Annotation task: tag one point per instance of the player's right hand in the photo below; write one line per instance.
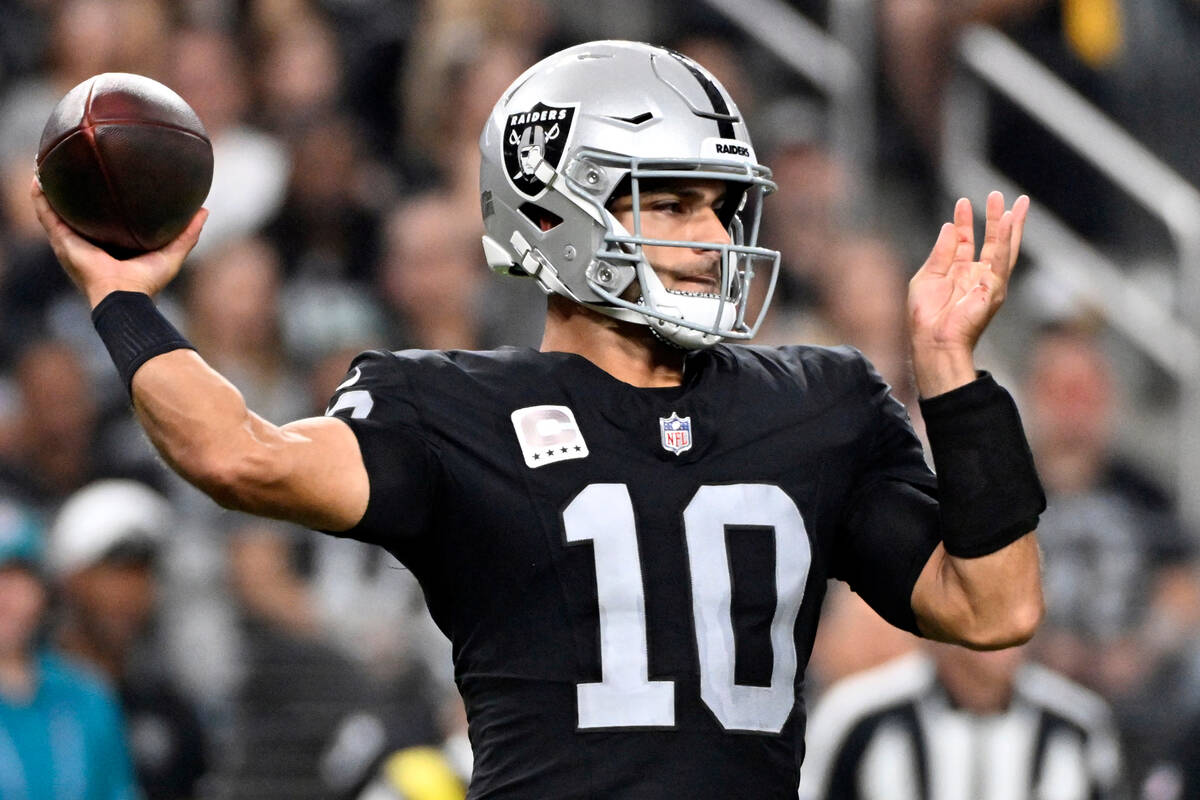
(97, 273)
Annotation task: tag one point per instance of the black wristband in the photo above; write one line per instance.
(134, 331)
(989, 490)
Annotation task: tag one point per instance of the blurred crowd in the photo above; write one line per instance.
(252, 660)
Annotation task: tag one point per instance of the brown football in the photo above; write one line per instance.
(125, 162)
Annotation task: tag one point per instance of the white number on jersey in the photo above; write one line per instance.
(359, 401)
(626, 697)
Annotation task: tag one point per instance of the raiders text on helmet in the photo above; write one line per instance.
(595, 121)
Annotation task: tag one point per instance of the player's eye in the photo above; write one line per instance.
(667, 206)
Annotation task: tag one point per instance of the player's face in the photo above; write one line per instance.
(687, 210)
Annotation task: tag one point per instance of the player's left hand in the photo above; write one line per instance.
(954, 296)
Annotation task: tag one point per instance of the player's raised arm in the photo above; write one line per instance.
(309, 472)
(982, 585)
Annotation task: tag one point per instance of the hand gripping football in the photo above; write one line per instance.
(125, 162)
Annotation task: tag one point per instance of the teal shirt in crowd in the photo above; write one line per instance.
(67, 742)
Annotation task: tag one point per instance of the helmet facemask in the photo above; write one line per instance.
(625, 279)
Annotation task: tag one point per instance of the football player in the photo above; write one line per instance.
(626, 534)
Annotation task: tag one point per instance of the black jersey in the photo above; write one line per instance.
(631, 578)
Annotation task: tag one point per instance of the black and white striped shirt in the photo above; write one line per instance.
(891, 733)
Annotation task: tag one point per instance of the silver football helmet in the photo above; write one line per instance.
(591, 123)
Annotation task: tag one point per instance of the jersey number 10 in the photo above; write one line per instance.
(626, 697)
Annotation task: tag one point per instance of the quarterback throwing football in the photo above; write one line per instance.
(626, 534)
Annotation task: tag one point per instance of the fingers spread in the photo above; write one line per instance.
(996, 242)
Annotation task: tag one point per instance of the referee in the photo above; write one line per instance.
(947, 723)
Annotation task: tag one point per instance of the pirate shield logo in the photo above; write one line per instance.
(531, 137)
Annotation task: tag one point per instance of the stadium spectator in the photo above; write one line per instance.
(947, 722)
(79, 38)
(231, 304)
(328, 227)
(61, 439)
(298, 70)
(337, 591)
(327, 685)
(102, 552)
(233, 313)
(85, 37)
(807, 215)
(23, 34)
(434, 290)
(1122, 600)
(355, 617)
(856, 296)
(290, 709)
(61, 733)
(1124, 57)
(346, 611)
(1134, 60)
(448, 95)
(421, 772)
(250, 165)
(850, 639)
(1159, 84)
(27, 286)
(429, 276)
(862, 289)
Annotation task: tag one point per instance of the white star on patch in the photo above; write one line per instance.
(548, 434)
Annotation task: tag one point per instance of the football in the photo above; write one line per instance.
(125, 161)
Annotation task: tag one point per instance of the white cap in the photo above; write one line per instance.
(101, 517)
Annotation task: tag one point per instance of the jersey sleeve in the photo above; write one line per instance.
(889, 527)
(376, 401)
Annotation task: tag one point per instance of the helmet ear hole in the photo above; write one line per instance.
(543, 218)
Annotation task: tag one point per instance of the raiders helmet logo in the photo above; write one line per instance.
(531, 137)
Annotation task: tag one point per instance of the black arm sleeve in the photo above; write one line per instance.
(990, 492)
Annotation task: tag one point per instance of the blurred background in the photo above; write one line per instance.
(252, 660)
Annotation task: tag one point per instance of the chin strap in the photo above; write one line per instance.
(698, 309)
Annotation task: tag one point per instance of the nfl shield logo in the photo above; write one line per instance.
(676, 433)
